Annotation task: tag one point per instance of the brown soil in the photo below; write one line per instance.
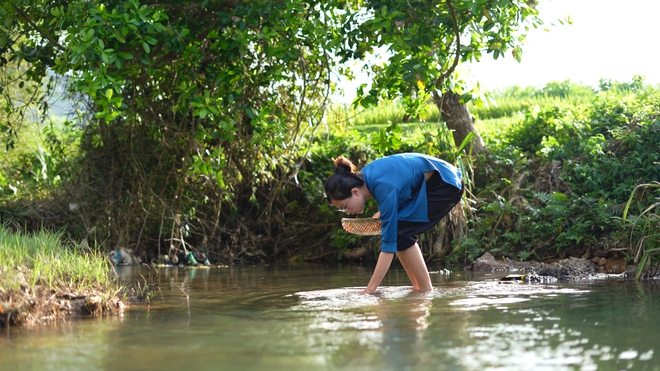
(30, 307)
(612, 266)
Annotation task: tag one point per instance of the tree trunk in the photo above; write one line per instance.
(459, 121)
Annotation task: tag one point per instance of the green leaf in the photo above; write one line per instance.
(632, 195)
(108, 94)
(111, 116)
(560, 197)
(118, 35)
(466, 141)
(642, 262)
(219, 178)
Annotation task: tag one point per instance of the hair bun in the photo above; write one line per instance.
(344, 165)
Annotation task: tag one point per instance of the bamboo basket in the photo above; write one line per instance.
(362, 226)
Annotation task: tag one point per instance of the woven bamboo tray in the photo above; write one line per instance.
(362, 226)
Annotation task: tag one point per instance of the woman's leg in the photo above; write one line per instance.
(406, 266)
(442, 197)
(413, 263)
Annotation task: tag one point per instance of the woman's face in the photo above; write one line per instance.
(351, 205)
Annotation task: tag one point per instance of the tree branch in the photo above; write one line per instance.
(193, 6)
(457, 33)
(34, 25)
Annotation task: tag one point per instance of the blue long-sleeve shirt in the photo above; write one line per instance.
(397, 183)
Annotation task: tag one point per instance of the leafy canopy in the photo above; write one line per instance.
(425, 41)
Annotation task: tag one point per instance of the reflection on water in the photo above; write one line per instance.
(480, 295)
(312, 317)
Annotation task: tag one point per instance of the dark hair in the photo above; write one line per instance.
(345, 178)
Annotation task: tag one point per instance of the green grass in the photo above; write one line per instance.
(385, 113)
(497, 127)
(501, 107)
(41, 158)
(506, 106)
(41, 259)
(372, 120)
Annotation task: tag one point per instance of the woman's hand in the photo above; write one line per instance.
(382, 265)
(376, 215)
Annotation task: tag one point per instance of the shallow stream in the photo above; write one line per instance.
(310, 317)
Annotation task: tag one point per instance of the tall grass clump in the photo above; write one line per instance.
(646, 249)
(42, 260)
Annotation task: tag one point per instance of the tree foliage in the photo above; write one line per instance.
(199, 113)
(426, 40)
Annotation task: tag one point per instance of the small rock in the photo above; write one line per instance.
(602, 261)
(595, 260)
(567, 269)
(488, 263)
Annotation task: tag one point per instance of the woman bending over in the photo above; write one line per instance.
(413, 191)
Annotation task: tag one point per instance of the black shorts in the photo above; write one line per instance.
(441, 198)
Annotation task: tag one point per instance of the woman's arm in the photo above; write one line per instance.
(382, 265)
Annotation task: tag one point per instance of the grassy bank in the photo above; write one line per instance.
(564, 161)
(43, 279)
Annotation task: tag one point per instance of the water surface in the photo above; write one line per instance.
(310, 317)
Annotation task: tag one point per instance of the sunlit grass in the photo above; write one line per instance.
(491, 129)
(374, 119)
(40, 158)
(385, 113)
(41, 259)
(506, 108)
